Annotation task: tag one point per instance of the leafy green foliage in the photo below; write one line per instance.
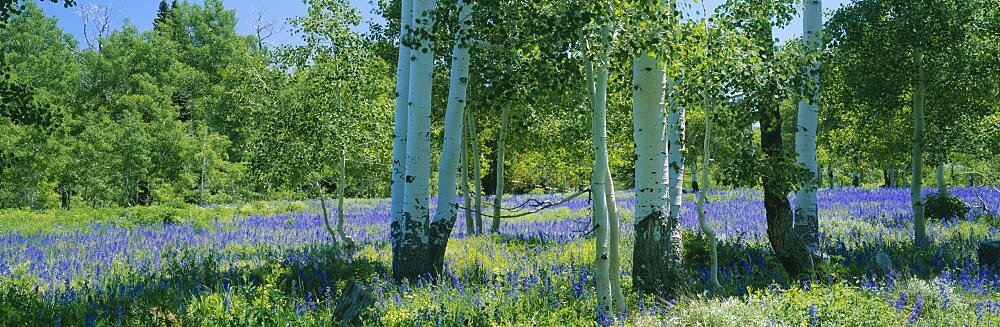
(870, 90)
(189, 112)
(945, 206)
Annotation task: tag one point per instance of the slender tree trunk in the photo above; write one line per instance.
(498, 199)
(951, 169)
(341, 181)
(470, 225)
(326, 215)
(341, 186)
(447, 205)
(477, 178)
(651, 256)
(614, 236)
(829, 176)
(614, 243)
(702, 221)
(793, 254)
(399, 140)
(415, 261)
(676, 151)
(201, 180)
(941, 184)
(919, 223)
(694, 176)
(65, 196)
(806, 211)
(597, 87)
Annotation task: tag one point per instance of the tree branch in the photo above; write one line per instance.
(537, 205)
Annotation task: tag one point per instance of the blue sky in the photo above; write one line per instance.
(142, 12)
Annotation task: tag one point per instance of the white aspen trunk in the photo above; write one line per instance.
(599, 210)
(341, 185)
(341, 180)
(651, 256)
(397, 209)
(418, 146)
(326, 216)
(501, 149)
(702, 221)
(939, 172)
(648, 130)
(447, 205)
(674, 165)
(675, 161)
(476, 181)
(952, 173)
(614, 236)
(204, 168)
(470, 225)
(806, 213)
(919, 222)
(614, 244)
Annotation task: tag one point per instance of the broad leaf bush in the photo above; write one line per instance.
(944, 206)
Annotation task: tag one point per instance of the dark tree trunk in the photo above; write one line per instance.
(829, 175)
(440, 232)
(354, 301)
(652, 254)
(65, 195)
(144, 197)
(64, 199)
(490, 180)
(788, 247)
(413, 263)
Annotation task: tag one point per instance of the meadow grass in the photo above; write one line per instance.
(280, 268)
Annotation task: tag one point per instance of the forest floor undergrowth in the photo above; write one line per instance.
(278, 266)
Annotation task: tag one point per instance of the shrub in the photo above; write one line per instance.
(989, 219)
(944, 206)
(695, 247)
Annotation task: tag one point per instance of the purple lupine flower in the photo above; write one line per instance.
(946, 301)
(917, 308)
(579, 286)
(901, 302)
(457, 283)
(814, 315)
(603, 319)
